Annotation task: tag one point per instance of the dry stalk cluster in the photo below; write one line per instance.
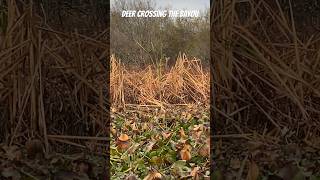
(51, 82)
(266, 70)
(184, 83)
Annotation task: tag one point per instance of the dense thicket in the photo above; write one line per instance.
(53, 69)
(149, 40)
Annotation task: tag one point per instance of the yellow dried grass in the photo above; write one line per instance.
(184, 83)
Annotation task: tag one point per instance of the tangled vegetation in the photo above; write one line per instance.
(265, 89)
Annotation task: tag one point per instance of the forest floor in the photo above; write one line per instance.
(29, 163)
(150, 142)
(251, 157)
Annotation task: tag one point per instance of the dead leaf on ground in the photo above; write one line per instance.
(187, 147)
(153, 176)
(195, 173)
(197, 131)
(185, 153)
(166, 135)
(123, 142)
(150, 146)
(123, 138)
(134, 127)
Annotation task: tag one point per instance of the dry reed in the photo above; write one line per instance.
(184, 83)
(266, 71)
(51, 82)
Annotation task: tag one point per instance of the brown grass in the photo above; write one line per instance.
(184, 83)
(266, 70)
(51, 82)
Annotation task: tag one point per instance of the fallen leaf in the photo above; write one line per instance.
(180, 144)
(185, 154)
(123, 142)
(166, 135)
(134, 127)
(153, 176)
(150, 146)
(197, 134)
(195, 173)
(187, 147)
(123, 137)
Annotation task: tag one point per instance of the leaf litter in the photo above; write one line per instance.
(164, 144)
(29, 162)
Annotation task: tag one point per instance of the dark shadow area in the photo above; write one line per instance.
(54, 89)
(265, 97)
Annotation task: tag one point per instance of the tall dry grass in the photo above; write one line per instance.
(184, 83)
(53, 84)
(266, 71)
